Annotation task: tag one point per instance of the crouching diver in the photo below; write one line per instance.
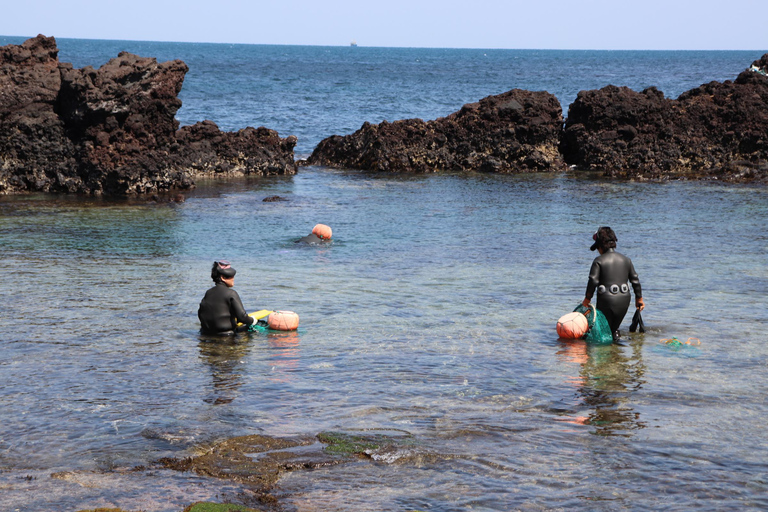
(320, 233)
(221, 308)
(609, 275)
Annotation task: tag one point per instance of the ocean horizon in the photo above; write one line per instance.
(15, 39)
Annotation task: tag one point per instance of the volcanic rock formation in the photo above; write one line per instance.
(716, 131)
(113, 130)
(512, 132)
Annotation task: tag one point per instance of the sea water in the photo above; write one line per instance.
(431, 313)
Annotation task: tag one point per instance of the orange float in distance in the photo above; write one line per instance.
(322, 231)
(572, 326)
(283, 321)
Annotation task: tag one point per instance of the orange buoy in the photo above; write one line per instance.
(572, 326)
(322, 231)
(283, 321)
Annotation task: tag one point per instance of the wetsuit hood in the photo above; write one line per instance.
(227, 272)
(224, 269)
(602, 236)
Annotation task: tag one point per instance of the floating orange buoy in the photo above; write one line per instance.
(322, 231)
(572, 326)
(283, 321)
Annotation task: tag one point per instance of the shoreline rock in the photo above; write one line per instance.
(715, 131)
(516, 131)
(112, 130)
(718, 131)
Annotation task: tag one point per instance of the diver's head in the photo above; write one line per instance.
(604, 239)
(222, 269)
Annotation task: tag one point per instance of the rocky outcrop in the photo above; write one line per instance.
(35, 153)
(206, 150)
(113, 130)
(716, 131)
(512, 132)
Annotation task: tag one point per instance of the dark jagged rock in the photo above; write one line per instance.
(113, 130)
(121, 118)
(512, 132)
(718, 130)
(35, 153)
(207, 150)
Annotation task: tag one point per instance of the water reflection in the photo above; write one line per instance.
(225, 357)
(285, 358)
(607, 377)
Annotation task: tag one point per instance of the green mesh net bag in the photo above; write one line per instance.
(599, 332)
(259, 326)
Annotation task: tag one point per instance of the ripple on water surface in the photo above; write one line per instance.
(432, 313)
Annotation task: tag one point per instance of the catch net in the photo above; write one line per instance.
(599, 331)
(259, 326)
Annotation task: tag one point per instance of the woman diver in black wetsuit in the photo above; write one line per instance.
(221, 309)
(609, 275)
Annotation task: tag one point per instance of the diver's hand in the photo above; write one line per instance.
(585, 302)
(640, 303)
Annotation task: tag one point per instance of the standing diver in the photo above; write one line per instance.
(221, 309)
(609, 275)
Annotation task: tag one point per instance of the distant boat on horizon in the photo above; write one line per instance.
(353, 43)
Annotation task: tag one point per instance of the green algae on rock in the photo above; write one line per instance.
(217, 507)
(343, 443)
(346, 444)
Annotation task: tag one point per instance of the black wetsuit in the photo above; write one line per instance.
(609, 275)
(312, 239)
(221, 309)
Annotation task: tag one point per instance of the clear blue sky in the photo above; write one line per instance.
(545, 24)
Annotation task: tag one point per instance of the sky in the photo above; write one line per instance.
(513, 24)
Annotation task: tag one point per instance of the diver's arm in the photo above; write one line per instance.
(635, 282)
(592, 282)
(238, 310)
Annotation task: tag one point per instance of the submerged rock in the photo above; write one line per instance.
(516, 131)
(104, 510)
(257, 461)
(718, 130)
(217, 507)
(112, 130)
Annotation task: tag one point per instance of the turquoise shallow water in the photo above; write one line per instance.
(431, 313)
